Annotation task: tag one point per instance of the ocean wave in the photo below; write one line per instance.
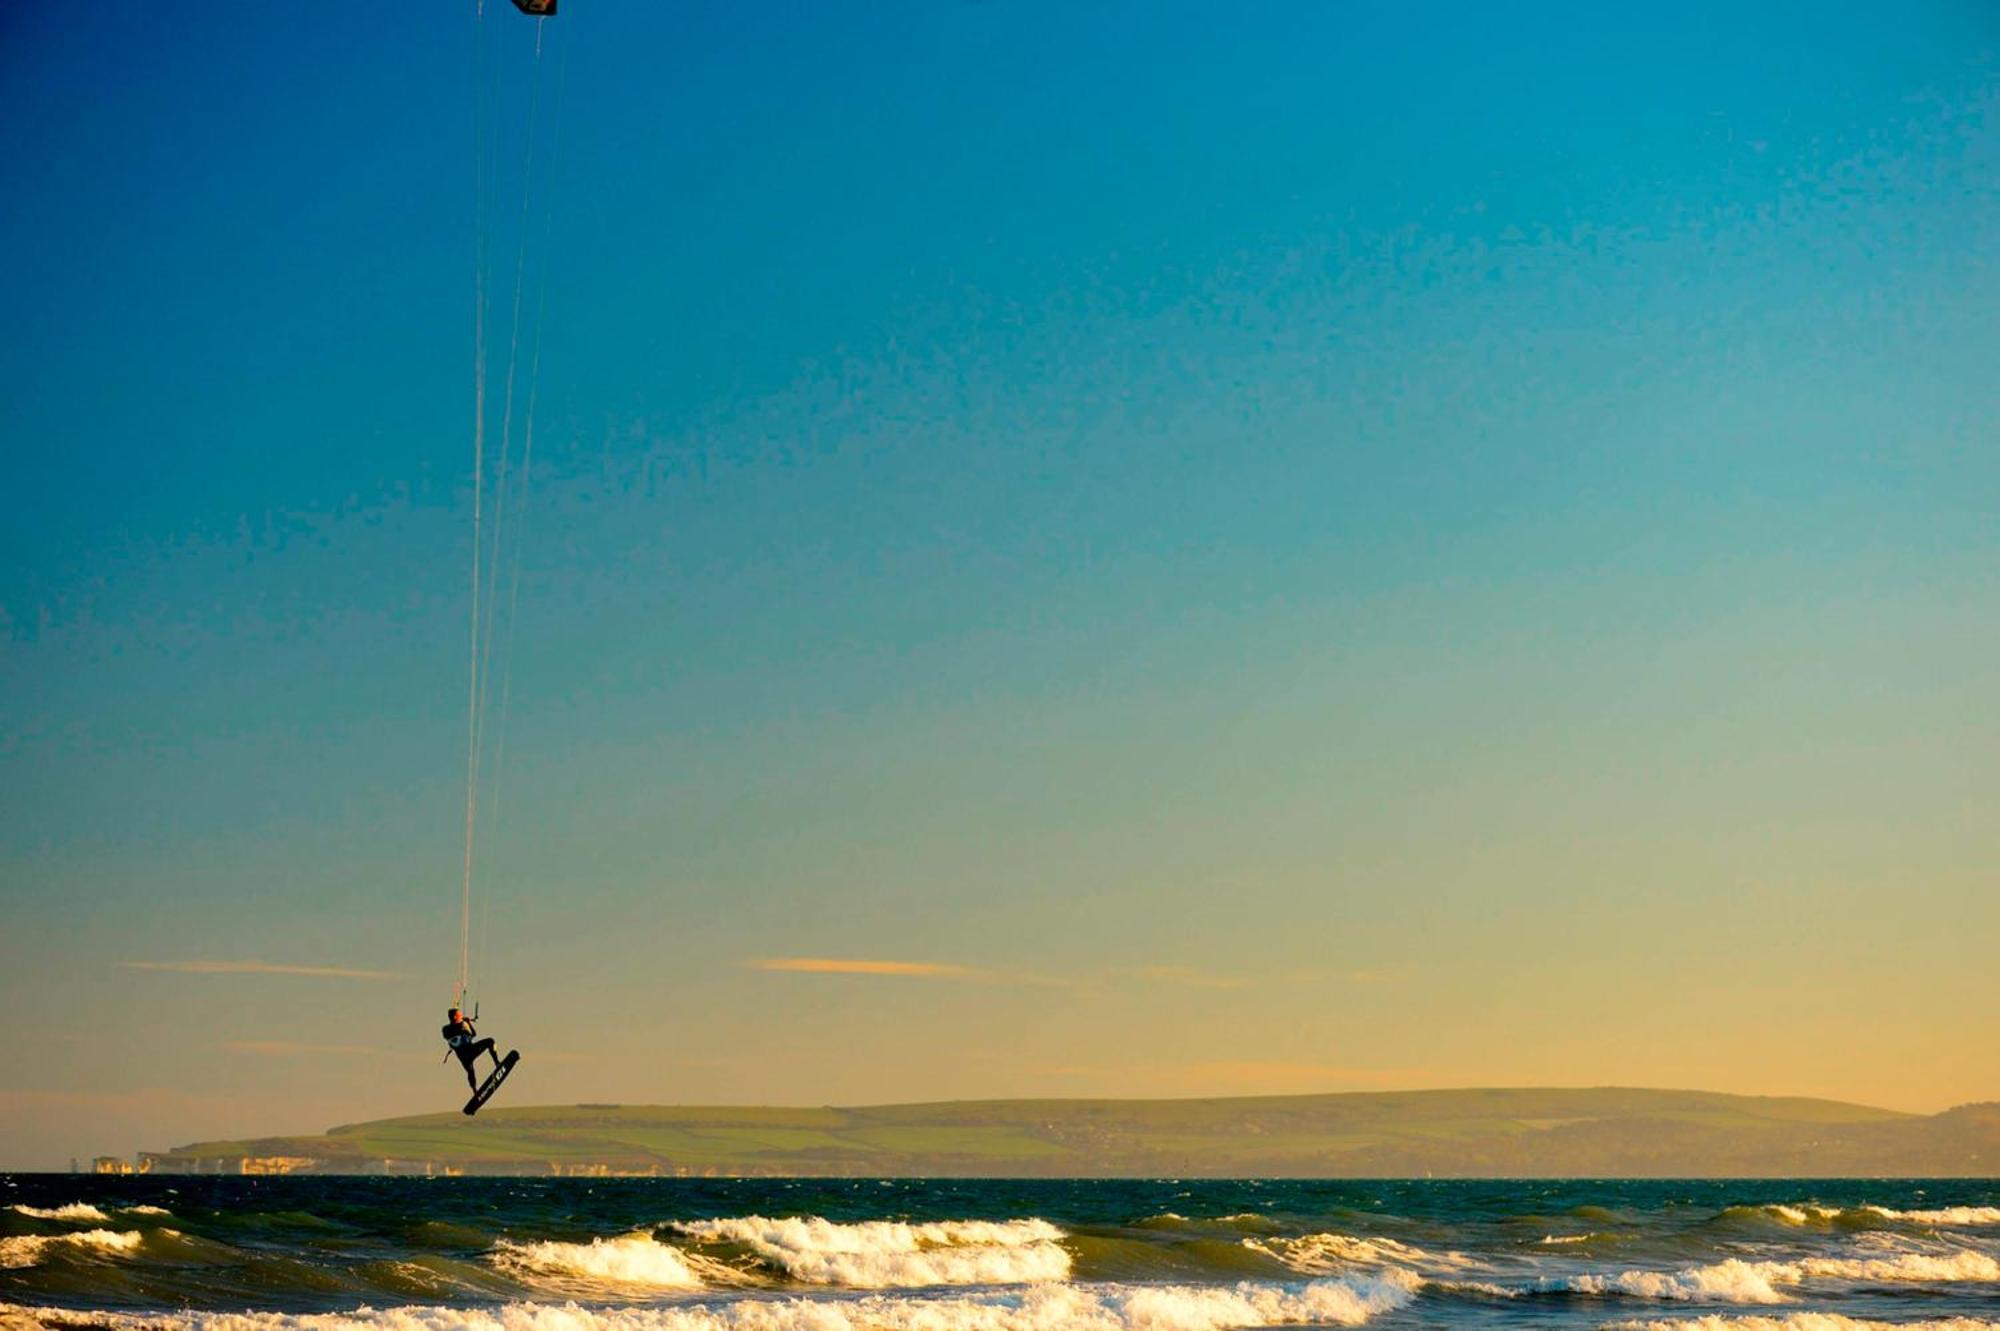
(1738, 1281)
(1350, 1301)
(1236, 1222)
(82, 1212)
(1802, 1321)
(632, 1259)
(1321, 1254)
(1944, 1215)
(67, 1211)
(1962, 1264)
(1785, 1213)
(33, 1249)
(1326, 1254)
(889, 1254)
(1733, 1281)
(1818, 1213)
(1482, 1287)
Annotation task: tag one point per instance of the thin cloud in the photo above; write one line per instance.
(927, 970)
(257, 968)
(1186, 976)
(291, 1049)
(1375, 975)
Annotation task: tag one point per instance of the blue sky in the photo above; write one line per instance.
(1166, 517)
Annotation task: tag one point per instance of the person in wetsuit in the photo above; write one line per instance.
(465, 1042)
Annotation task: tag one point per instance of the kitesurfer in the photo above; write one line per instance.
(465, 1042)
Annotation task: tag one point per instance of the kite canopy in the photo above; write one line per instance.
(539, 8)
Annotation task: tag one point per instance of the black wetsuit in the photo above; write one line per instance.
(461, 1037)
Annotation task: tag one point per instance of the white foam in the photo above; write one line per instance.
(1945, 1215)
(30, 1250)
(1551, 1240)
(1737, 1281)
(1733, 1281)
(1962, 1264)
(1351, 1301)
(887, 1254)
(68, 1211)
(1326, 1254)
(1485, 1287)
(145, 1210)
(1799, 1213)
(1801, 1322)
(633, 1259)
(1807, 1213)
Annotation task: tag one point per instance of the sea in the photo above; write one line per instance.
(470, 1254)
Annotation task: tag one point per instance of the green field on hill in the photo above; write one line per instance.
(1468, 1133)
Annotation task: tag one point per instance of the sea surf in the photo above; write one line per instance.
(188, 1253)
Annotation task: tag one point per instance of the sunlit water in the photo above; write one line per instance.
(326, 1254)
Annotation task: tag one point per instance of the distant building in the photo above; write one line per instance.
(110, 1164)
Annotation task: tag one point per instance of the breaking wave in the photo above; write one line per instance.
(1962, 1265)
(1817, 1213)
(1786, 1213)
(633, 1259)
(69, 1211)
(33, 1249)
(1738, 1281)
(1323, 1254)
(1733, 1281)
(1946, 1215)
(888, 1254)
(1485, 1288)
(1803, 1322)
(1327, 1254)
(1237, 1222)
(1350, 1301)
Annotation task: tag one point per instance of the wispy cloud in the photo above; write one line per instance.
(928, 970)
(1186, 976)
(291, 1049)
(1374, 975)
(257, 968)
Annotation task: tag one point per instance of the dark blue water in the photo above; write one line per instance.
(325, 1254)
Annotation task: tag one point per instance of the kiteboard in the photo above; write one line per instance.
(492, 1082)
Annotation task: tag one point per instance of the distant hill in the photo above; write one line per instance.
(1600, 1132)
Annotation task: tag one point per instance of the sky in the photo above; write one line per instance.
(1102, 549)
